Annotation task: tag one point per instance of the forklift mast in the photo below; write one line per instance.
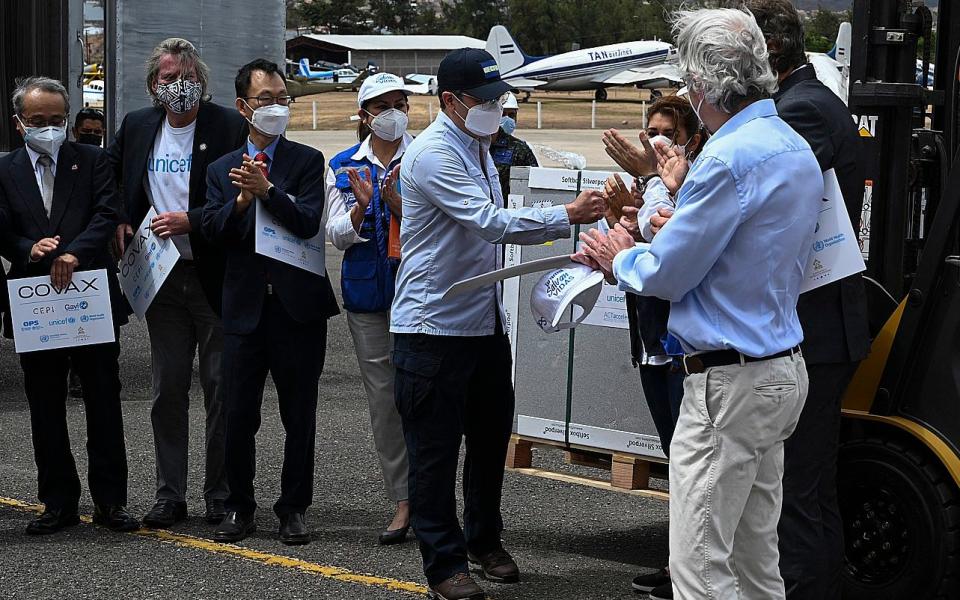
(909, 237)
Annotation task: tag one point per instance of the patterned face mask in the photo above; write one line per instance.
(180, 96)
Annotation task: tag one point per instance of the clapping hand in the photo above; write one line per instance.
(389, 192)
(637, 161)
(673, 166)
(618, 196)
(362, 188)
(599, 250)
(251, 181)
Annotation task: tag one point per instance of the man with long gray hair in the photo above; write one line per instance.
(731, 261)
(160, 157)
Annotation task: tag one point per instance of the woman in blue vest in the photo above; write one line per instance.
(362, 200)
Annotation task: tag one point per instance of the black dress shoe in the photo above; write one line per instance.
(234, 527)
(394, 536)
(165, 513)
(293, 530)
(215, 512)
(53, 520)
(114, 517)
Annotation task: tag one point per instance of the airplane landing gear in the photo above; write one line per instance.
(600, 95)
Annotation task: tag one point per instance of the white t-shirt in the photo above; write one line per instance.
(168, 175)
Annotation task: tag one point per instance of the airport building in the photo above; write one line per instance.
(397, 54)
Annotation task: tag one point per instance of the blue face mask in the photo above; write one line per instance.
(508, 125)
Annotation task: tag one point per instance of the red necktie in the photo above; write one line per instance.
(263, 158)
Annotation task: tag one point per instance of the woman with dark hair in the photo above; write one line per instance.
(363, 201)
(671, 122)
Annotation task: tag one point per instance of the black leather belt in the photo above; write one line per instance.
(698, 363)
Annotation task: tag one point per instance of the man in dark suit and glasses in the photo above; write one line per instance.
(274, 314)
(160, 158)
(58, 212)
(834, 320)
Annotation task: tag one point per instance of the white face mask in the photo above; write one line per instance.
(44, 140)
(271, 120)
(483, 119)
(389, 125)
(667, 143)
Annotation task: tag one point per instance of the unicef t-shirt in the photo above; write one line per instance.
(168, 175)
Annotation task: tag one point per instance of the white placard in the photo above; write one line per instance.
(273, 240)
(610, 309)
(595, 180)
(543, 178)
(511, 288)
(145, 265)
(836, 249)
(45, 318)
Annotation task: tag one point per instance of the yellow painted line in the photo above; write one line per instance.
(189, 541)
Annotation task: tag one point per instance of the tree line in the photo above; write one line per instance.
(540, 27)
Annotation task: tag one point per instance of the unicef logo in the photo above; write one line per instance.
(71, 320)
(84, 318)
(44, 339)
(817, 246)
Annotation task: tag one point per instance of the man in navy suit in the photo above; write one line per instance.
(58, 212)
(274, 314)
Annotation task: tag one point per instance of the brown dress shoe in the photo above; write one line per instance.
(459, 587)
(498, 566)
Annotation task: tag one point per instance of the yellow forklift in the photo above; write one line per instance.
(899, 463)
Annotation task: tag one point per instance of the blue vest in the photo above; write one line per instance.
(368, 276)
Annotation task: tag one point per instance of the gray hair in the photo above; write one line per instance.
(28, 84)
(186, 54)
(724, 54)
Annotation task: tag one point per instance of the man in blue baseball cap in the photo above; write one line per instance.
(452, 357)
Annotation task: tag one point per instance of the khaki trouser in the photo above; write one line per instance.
(371, 337)
(726, 470)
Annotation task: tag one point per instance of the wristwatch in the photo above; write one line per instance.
(643, 180)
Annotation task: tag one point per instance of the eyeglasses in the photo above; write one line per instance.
(489, 103)
(266, 100)
(39, 122)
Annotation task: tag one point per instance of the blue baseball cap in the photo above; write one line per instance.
(472, 71)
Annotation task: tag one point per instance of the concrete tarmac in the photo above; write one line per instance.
(570, 541)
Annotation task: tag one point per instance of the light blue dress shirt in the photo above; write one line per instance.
(452, 227)
(269, 150)
(731, 259)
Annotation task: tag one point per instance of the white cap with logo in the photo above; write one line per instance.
(511, 101)
(378, 85)
(575, 285)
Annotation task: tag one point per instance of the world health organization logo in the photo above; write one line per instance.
(818, 246)
(44, 339)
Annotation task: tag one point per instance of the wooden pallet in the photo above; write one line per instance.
(629, 473)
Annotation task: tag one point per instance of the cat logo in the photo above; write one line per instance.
(866, 125)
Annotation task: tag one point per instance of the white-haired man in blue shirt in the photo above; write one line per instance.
(731, 261)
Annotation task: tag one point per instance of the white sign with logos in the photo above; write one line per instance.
(45, 318)
(275, 241)
(145, 265)
(587, 435)
(836, 248)
(610, 309)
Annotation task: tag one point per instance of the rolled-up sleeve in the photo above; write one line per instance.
(339, 226)
(655, 197)
(441, 177)
(683, 252)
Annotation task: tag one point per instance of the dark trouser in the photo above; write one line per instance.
(448, 388)
(45, 381)
(181, 323)
(810, 530)
(663, 389)
(293, 353)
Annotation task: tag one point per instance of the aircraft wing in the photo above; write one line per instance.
(666, 71)
(522, 83)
